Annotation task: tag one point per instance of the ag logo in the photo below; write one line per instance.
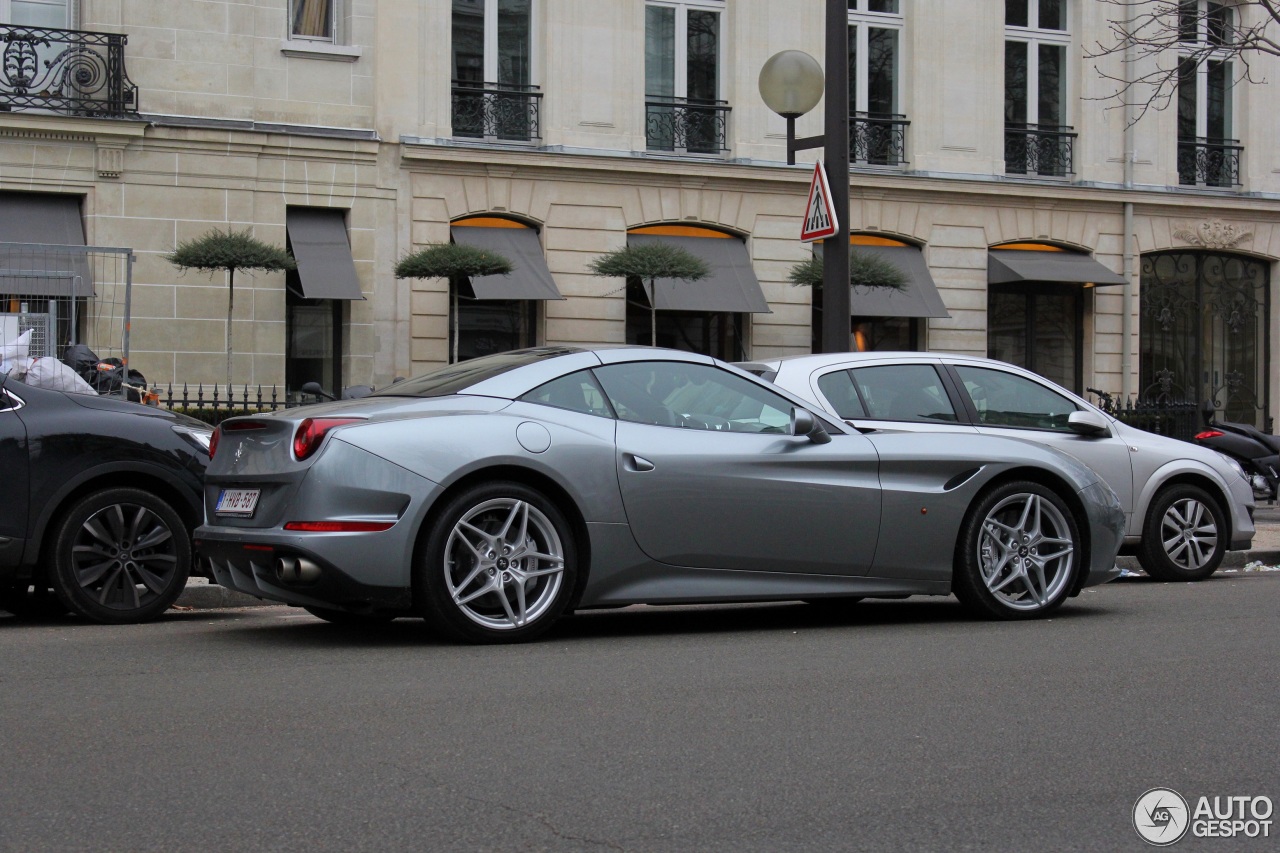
(1161, 817)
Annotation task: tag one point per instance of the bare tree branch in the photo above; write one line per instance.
(1158, 39)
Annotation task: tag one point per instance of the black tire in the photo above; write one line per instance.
(1184, 536)
(348, 619)
(1011, 566)
(28, 602)
(480, 594)
(120, 555)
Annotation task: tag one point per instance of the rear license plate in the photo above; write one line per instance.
(237, 502)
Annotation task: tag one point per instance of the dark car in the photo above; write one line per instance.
(97, 503)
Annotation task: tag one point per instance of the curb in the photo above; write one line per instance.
(202, 594)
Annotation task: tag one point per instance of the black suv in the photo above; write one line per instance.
(98, 499)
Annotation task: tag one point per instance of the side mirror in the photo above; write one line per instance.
(314, 389)
(1086, 422)
(804, 423)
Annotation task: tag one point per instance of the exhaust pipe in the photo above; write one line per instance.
(296, 570)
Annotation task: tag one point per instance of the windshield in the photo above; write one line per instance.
(456, 378)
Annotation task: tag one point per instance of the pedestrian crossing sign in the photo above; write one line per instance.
(819, 213)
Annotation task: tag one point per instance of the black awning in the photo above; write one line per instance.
(42, 251)
(1013, 265)
(732, 285)
(318, 238)
(529, 278)
(918, 297)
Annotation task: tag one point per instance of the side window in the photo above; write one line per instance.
(1003, 399)
(577, 392)
(904, 392)
(838, 388)
(692, 396)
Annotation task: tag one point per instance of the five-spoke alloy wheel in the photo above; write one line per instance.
(1018, 553)
(1183, 535)
(120, 555)
(500, 564)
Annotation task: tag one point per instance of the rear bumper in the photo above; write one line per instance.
(247, 562)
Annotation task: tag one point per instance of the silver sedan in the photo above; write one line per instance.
(492, 496)
(1185, 506)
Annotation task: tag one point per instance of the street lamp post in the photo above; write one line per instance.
(791, 83)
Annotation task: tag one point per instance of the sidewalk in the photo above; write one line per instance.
(202, 595)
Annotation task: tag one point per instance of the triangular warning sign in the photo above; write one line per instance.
(819, 212)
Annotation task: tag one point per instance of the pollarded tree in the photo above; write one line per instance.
(229, 251)
(865, 270)
(650, 262)
(456, 262)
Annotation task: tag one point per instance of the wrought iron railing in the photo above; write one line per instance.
(1209, 162)
(685, 126)
(878, 139)
(1034, 149)
(65, 71)
(497, 113)
(1174, 418)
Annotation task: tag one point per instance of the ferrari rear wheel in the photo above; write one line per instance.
(1018, 553)
(500, 565)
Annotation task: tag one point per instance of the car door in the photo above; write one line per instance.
(1011, 404)
(14, 477)
(902, 396)
(711, 478)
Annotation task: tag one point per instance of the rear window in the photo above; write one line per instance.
(457, 378)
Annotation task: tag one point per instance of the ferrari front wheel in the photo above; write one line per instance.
(1018, 553)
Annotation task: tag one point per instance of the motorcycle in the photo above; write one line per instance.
(1257, 452)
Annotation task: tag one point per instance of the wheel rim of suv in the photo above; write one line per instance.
(124, 556)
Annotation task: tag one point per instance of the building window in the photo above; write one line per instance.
(1207, 155)
(682, 56)
(877, 127)
(1203, 331)
(54, 14)
(313, 328)
(706, 316)
(493, 93)
(313, 19)
(1038, 138)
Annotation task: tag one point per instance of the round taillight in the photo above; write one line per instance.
(311, 432)
(213, 441)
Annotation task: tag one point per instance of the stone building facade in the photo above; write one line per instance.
(979, 127)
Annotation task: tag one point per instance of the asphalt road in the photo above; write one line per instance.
(900, 725)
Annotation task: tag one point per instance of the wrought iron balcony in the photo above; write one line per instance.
(1038, 149)
(1209, 162)
(65, 71)
(496, 113)
(878, 139)
(685, 126)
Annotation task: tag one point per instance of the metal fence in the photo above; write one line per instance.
(1174, 418)
(66, 295)
(215, 403)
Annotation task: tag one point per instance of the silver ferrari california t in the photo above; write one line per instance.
(492, 496)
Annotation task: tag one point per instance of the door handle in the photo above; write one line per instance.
(637, 463)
